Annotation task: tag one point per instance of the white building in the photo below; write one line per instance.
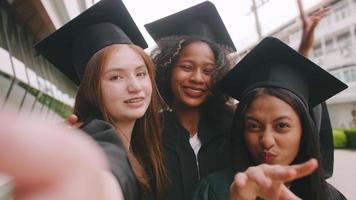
(335, 50)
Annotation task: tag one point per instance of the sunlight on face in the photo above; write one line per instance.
(272, 131)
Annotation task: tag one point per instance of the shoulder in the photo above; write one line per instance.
(106, 136)
(102, 131)
(334, 193)
(214, 187)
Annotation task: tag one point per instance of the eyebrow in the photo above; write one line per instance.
(279, 118)
(252, 118)
(283, 117)
(192, 61)
(120, 69)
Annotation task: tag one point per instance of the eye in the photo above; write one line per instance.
(283, 126)
(115, 77)
(186, 67)
(252, 126)
(141, 74)
(208, 72)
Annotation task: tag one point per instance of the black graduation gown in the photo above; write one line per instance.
(105, 135)
(216, 187)
(180, 159)
(321, 117)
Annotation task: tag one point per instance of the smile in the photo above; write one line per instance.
(194, 92)
(135, 100)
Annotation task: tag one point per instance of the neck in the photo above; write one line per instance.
(124, 129)
(189, 119)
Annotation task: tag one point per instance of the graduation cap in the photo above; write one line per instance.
(105, 23)
(274, 64)
(201, 20)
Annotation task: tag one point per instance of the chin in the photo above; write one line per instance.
(193, 103)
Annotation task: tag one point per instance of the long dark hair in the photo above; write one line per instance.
(309, 187)
(146, 142)
(165, 57)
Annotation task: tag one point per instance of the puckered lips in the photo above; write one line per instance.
(268, 156)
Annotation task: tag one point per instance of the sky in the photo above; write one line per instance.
(236, 15)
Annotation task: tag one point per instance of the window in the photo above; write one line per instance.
(16, 96)
(344, 40)
(5, 83)
(329, 45)
(342, 11)
(353, 74)
(347, 74)
(337, 74)
(317, 51)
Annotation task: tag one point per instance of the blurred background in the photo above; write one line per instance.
(30, 84)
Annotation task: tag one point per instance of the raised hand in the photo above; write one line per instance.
(268, 181)
(309, 24)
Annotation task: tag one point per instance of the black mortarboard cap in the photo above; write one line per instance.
(105, 23)
(201, 20)
(274, 64)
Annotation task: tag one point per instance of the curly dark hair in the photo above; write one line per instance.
(166, 55)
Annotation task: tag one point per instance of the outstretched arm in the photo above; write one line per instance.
(51, 161)
(268, 181)
(309, 24)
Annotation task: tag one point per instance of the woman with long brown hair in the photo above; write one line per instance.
(117, 100)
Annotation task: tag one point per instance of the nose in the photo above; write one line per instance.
(134, 85)
(197, 76)
(267, 140)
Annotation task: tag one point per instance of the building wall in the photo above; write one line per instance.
(335, 50)
(28, 82)
(343, 114)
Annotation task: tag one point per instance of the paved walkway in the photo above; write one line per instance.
(344, 177)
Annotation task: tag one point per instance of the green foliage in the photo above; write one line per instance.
(351, 137)
(340, 139)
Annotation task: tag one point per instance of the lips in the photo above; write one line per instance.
(135, 102)
(193, 92)
(269, 156)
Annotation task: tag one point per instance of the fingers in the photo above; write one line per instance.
(305, 168)
(280, 173)
(72, 119)
(241, 179)
(286, 194)
(34, 151)
(301, 9)
(259, 176)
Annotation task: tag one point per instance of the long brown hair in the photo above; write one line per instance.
(312, 186)
(145, 154)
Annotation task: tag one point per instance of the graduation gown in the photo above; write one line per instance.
(106, 136)
(217, 185)
(181, 163)
(321, 117)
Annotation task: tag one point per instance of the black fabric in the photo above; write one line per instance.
(201, 20)
(105, 135)
(91, 40)
(180, 159)
(70, 47)
(326, 142)
(321, 118)
(274, 64)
